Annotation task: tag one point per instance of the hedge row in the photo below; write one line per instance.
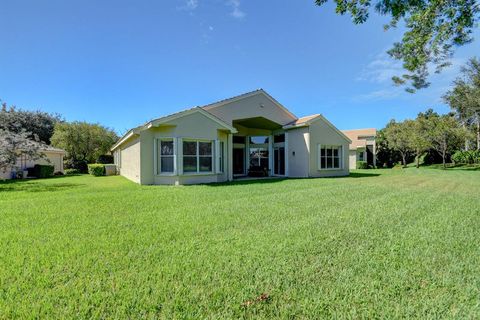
(466, 157)
(96, 169)
(362, 165)
(41, 171)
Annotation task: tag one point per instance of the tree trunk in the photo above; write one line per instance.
(404, 160)
(478, 131)
(418, 159)
(444, 155)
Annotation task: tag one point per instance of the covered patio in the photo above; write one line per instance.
(259, 148)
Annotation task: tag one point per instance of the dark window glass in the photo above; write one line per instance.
(166, 148)
(189, 148)
(323, 152)
(336, 163)
(329, 163)
(264, 163)
(205, 164)
(166, 164)
(329, 152)
(221, 156)
(335, 152)
(189, 164)
(279, 138)
(205, 148)
(239, 139)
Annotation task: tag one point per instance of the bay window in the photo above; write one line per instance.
(330, 157)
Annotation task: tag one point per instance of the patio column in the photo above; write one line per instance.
(270, 155)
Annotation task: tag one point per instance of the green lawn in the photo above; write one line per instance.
(381, 243)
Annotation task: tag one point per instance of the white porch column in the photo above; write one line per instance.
(270, 154)
(230, 157)
(286, 153)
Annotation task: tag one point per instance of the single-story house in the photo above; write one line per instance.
(248, 135)
(52, 156)
(363, 146)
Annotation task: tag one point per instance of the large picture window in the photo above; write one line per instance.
(330, 157)
(197, 156)
(166, 156)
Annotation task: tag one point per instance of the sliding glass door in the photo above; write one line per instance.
(279, 161)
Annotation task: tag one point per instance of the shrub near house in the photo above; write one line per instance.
(96, 169)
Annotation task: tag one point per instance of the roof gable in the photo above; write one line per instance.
(171, 117)
(252, 104)
(308, 120)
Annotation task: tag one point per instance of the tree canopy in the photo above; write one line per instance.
(15, 146)
(464, 97)
(83, 142)
(434, 28)
(37, 125)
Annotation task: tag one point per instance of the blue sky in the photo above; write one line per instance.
(121, 63)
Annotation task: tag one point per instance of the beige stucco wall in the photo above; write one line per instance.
(321, 133)
(193, 126)
(298, 143)
(258, 105)
(51, 158)
(130, 159)
(352, 159)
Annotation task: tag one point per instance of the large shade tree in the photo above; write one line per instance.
(398, 138)
(464, 97)
(433, 29)
(17, 146)
(445, 134)
(84, 142)
(37, 125)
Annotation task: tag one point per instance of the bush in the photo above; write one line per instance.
(362, 165)
(96, 169)
(466, 157)
(72, 171)
(105, 159)
(58, 173)
(77, 164)
(42, 171)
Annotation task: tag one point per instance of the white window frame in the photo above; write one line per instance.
(340, 156)
(198, 156)
(158, 157)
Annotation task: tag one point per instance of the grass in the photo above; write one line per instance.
(378, 244)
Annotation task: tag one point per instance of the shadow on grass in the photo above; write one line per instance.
(252, 181)
(33, 185)
(246, 181)
(362, 175)
(463, 167)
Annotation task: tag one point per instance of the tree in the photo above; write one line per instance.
(14, 146)
(433, 29)
(37, 124)
(386, 155)
(84, 142)
(398, 137)
(445, 134)
(464, 98)
(418, 137)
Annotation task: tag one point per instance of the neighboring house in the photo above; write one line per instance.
(250, 134)
(363, 147)
(52, 156)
